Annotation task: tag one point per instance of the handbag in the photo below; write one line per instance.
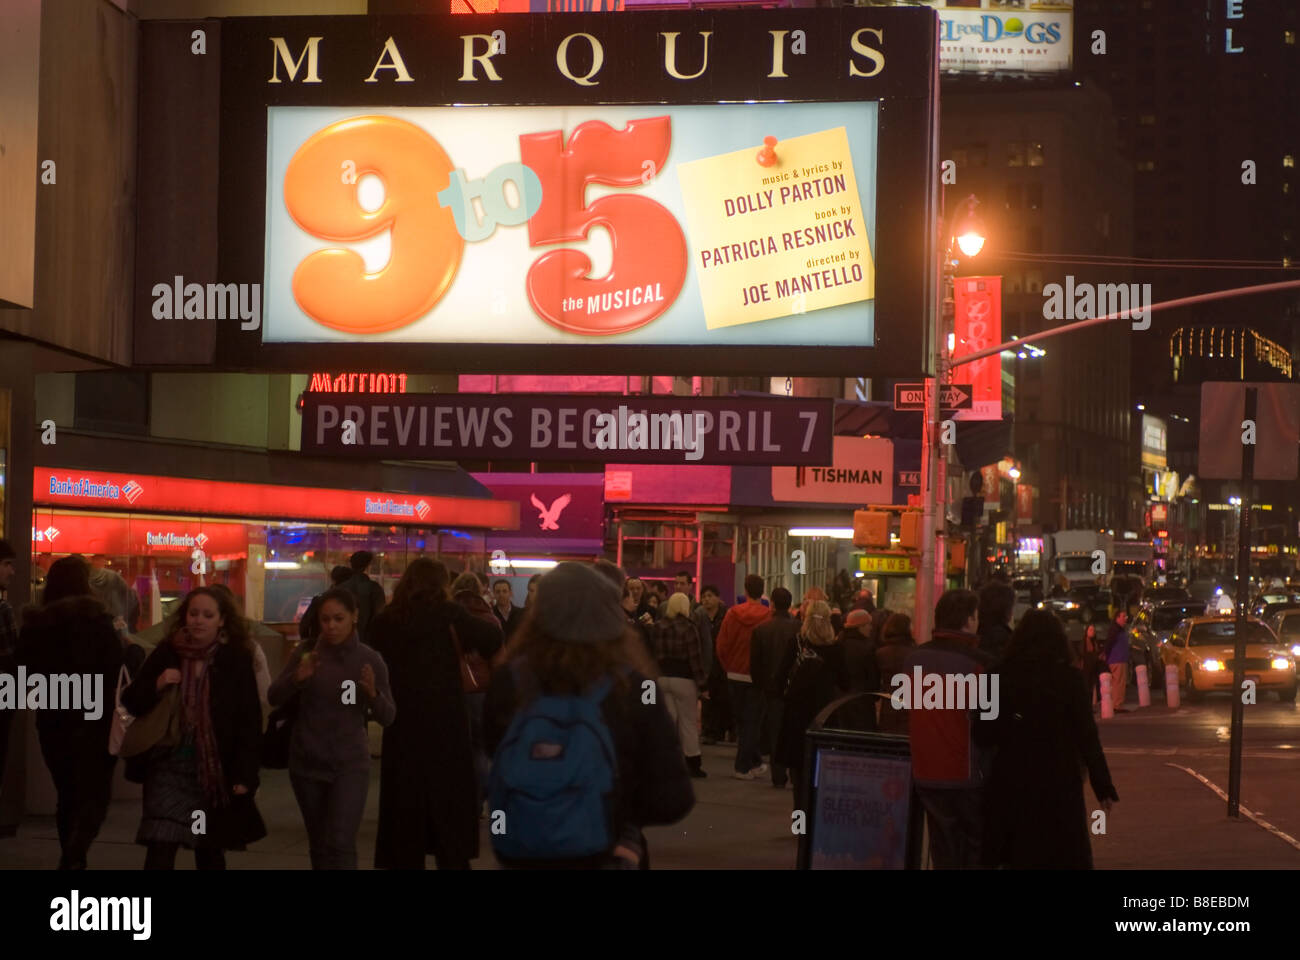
(474, 670)
(279, 732)
(279, 728)
(122, 718)
(159, 726)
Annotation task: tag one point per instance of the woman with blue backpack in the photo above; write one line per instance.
(585, 755)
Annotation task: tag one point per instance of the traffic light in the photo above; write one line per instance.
(870, 528)
(909, 530)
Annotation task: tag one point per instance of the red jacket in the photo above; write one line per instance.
(733, 644)
(944, 750)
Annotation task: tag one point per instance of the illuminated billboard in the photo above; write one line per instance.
(577, 194)
(698, 242)
(1007, 36)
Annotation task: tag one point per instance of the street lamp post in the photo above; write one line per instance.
(966, 231)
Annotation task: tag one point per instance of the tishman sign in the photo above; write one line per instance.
(646, 184)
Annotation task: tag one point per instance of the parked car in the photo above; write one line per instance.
(1154, 624)
(1286, 624)
(1067, 606)
(1277, 599)
(1271, 610)
(1202, 649)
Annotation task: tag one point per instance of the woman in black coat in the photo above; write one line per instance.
(73, 633)
(428, 794)
(817, 675)
(208, 761)
(1045, 734)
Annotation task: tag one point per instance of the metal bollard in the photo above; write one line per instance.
(1172, 693)
(1107, 706)
(1143, 685)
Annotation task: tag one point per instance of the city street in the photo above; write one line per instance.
(400, 374)
(1166, 817)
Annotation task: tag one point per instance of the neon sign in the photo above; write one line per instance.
(357, 383)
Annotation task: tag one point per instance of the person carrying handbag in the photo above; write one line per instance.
(476, 670)
(339, 686)
(201, 775)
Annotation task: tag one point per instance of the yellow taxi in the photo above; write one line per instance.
(1202, 649)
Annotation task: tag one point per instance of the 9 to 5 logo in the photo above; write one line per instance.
(429, 209)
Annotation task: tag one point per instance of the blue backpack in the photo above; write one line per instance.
(554, 776)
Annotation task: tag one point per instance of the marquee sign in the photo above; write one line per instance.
(538, 193)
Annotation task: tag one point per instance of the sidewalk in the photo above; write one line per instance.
(1165, 819)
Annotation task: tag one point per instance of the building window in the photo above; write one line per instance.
(1013, 196)
(1146, 166)
(1288, 160)
(1034, 280)
(1034, 196)
(1016, 153)
(1035, 154)
(1147, 120)
(1014, 282)
(1288, 37)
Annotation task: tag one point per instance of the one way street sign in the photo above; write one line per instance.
(952, 396)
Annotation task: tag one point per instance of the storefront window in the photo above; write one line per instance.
(273, 568)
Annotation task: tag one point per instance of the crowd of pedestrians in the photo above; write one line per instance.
(571, 724)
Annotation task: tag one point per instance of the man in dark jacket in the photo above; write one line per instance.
(699, 616)
(946, 762)
(508, 615)
(768, 648)
(370, 595)
(860, 653)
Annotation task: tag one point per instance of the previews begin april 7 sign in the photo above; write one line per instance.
(645, 224)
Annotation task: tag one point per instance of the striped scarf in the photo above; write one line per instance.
(196, 711)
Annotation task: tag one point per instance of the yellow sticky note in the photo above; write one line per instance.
(779, 240)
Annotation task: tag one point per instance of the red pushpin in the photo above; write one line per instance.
(767, 156)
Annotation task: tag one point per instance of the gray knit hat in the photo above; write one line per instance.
(575, 604)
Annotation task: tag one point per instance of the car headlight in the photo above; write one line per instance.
(1295, 650)
(1041, 604)
(1280, 663)
(1212, 665)
(1070, 605)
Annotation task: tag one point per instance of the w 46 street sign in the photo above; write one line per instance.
(952, 396)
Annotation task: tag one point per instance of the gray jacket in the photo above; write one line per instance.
(329, 734)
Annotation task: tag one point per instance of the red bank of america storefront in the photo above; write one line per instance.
(272, 545)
